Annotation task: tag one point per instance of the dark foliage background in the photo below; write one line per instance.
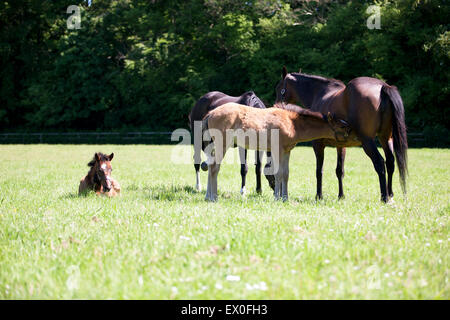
(141, 65)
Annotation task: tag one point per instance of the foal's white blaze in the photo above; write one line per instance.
(103, 166)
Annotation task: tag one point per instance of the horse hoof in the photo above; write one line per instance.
(198, 188)
(258, 191)
(204, 166)
(319, 197)
(243, 191)
(341, 197)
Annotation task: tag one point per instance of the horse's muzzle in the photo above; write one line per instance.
(107, 185)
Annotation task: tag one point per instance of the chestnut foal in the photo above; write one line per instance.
(276, 129)
(99, 177)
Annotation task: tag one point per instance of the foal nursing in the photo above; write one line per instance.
(99, 177)
(276, 129)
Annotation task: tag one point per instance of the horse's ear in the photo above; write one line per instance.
(111, 156)
(284, 72)
(97, 157)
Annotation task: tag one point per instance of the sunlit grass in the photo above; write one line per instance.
(161, 240)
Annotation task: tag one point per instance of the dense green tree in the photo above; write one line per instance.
(139, 64)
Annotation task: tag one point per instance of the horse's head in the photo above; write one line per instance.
(340, 127)
(101, 165)
(254, 101)
(285, 88)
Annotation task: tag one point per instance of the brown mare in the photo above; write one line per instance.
(276, 129)
(370, 106)
(99, 177)
(209, 102)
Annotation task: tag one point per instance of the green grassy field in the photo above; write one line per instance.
(161, 240)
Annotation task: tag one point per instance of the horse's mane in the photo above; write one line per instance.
(320, 78)
(103, 157)
(300, 111)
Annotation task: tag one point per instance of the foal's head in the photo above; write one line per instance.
(101, 167)
(340, 127)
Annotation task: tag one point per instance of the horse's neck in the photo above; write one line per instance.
(91, 176)
(314, 91)
(309, 128)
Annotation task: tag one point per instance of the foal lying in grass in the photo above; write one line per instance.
(99, 177)
(276, 129)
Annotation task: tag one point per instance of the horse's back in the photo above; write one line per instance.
(215, 99)
(238, 116)
(83, 187)
(203, 106)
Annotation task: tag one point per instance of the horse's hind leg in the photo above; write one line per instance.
(319, 148)
(285, 176)
(213, 171)
(388, 147)
(214, 162)
(268, 170)
(277, 167)
(244, 168)
(370, 148)
(258, 156)
(277, 189)
(340, 170)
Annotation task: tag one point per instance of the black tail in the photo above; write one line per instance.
(391, 96)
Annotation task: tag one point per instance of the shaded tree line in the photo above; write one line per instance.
(141, 65)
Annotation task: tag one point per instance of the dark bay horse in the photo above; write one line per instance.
(209, 102)
(276, 129)
(371, 107)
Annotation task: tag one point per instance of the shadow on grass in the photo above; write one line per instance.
(70, 195)
(166, 192)
(188, 193)
(75, 195)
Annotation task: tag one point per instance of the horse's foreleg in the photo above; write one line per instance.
(258, 156)
(244, 167)
(370, 148)
(198, 185)
(319, 148)
(388, 147)
(340, 170)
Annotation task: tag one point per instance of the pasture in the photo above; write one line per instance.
(161, 240)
